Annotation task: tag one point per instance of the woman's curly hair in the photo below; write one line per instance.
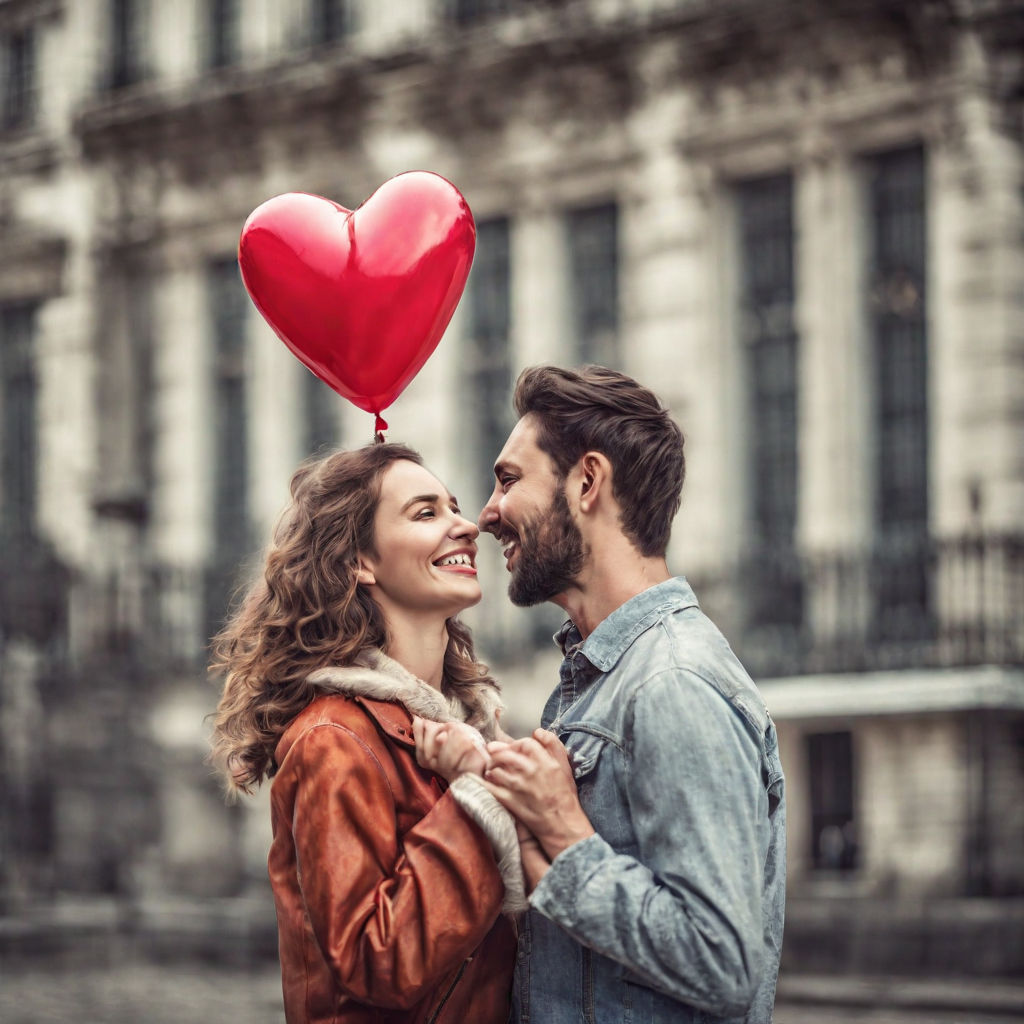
(308, 610)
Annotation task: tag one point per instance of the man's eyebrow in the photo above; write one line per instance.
(504, 467)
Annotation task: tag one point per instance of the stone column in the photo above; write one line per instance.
(540, 316)
(834, 520)
(976, 340)
(275, 414)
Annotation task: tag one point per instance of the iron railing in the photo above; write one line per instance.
(913, 604)
(947, 603)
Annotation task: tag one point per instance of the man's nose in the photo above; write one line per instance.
(490, 517)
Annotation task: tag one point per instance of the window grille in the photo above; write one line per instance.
(19, 71)
(332, 20)
(489, 368)
(833, 823)
(19, 438)
(593, 256)
(224, 26)
(139, 319)
(897, 316)
(231, 525)
(767, 292)
(467, 12)
(125, 43)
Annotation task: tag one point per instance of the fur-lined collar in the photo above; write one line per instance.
(379, 677)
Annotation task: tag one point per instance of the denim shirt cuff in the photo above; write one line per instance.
(557, 892)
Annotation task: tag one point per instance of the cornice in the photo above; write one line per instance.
(26, 152)
(31, 264)
(19, 14)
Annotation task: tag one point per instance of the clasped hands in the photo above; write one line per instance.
(532, 777)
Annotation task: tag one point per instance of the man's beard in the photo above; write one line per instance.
(550, 557)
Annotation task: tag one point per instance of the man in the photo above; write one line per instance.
(659, 876)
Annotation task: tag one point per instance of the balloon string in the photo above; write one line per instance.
(378, 430)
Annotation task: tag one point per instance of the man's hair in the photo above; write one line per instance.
(597, 409)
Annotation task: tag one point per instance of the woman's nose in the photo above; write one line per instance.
(464, 527)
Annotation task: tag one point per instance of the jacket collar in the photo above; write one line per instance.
(392, 695)
(614, 634)
(377, 677)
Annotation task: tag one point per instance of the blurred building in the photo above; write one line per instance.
(802, 222)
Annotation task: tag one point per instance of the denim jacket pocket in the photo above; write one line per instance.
(593, 756)
(584, 748)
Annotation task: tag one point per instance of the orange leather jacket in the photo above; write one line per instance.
(387, 893)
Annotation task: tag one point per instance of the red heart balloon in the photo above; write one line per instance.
(361, 296)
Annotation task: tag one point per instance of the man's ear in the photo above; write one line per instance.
(364, 571)
(595, 477)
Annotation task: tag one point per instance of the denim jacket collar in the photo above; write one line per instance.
(614, 634)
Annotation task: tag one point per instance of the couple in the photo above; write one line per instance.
(633, 847)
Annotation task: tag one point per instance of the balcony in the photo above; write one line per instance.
(904, 605)
(940, 604)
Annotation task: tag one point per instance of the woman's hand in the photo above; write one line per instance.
(535, 860)
(449, 748)
(532, 777)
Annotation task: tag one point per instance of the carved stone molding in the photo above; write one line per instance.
(19, 14)
(31, 266)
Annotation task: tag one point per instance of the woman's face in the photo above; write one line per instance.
(426, 550)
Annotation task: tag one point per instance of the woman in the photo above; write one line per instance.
(349, 680)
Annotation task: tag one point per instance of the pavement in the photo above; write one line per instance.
(189, 993)
(180, 962)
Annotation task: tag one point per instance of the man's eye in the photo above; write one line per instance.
(507, 482)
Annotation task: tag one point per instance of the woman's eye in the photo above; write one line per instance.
(425, 513)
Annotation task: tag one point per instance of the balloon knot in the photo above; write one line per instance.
(378, 429)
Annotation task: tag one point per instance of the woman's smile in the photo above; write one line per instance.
(425, 558)
(460, 561)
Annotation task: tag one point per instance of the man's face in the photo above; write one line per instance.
(529, 515)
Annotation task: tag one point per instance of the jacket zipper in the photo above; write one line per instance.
(451, 989)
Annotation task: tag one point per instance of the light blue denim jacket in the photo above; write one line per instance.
(673, 911)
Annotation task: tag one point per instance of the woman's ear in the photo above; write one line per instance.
(364, 572)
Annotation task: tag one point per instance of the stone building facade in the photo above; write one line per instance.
(802, 222)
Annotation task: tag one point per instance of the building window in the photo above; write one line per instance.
(766, 296)
(19, 74)
(467, 12)
(897, 316)
(126, 43)
(231, 527)
(593, 259)
(19, 437)
(320, 404)
(224, 33)
(332, 20)
(139, 321)
(488, 369)
(833, 826)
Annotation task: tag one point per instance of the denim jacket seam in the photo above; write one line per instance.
(590, 730)
(738, 705)
(651, 618)
(629, 715)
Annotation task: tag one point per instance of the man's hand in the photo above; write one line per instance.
(449, 748)
(533, 779)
